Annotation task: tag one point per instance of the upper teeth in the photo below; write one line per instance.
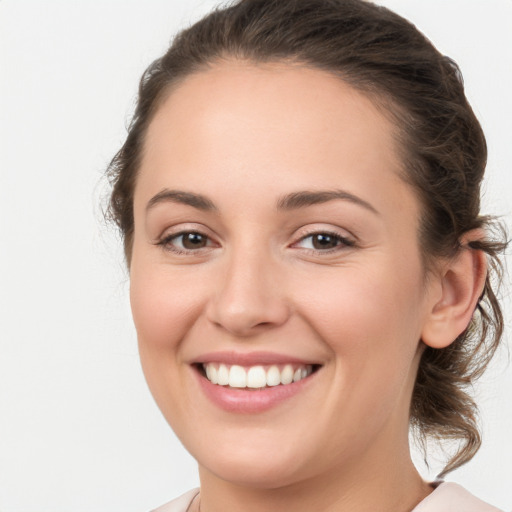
(255, 376)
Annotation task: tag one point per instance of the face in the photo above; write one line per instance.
(276, 279)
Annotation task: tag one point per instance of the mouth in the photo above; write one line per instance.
(253, 382)
(257, 377)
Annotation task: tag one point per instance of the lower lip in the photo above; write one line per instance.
(251, 401)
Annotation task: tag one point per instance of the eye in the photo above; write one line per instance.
(192, 240)
(323, 241)
(186, 241)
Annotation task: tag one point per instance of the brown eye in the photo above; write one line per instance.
(193, 240)
(185, 242)
(324, 241)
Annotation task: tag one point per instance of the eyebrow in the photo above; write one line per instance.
(292, 201)
(178, 196)
(305, 198)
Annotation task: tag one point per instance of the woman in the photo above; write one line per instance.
(310, 273)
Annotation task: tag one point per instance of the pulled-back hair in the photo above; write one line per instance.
(442, 146)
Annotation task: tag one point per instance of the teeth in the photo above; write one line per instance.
(273, 376)
(237, 377)
(211, 373)
(255, 377)
(223, 375)
(287, 375)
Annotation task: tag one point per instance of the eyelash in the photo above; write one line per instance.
(342, 242)
(166, 242)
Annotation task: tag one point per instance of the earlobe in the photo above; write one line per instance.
(461, 284)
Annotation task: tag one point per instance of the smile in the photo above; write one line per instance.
(255, 377)
(253, 383)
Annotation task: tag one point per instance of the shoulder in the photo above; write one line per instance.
(180, 504)
(447, 497)
(451, 497)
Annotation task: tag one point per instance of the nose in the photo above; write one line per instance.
(249, 297)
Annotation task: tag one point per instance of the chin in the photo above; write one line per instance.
(271, 474)
(248, 466)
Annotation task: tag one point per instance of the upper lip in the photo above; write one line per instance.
(251, 358)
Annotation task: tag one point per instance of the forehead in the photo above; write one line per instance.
(276, 122)
(291, 101)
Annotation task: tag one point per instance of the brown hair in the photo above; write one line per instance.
(443, 149)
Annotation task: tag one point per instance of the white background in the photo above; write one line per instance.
(78, 428)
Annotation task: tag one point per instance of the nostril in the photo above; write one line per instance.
(263, 324)
(244, 313)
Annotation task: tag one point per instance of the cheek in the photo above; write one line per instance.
(370, 304)
(163, 306)
(370, 317)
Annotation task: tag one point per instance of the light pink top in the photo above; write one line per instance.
(447, 497)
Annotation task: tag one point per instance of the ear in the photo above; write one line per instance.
(461, 281)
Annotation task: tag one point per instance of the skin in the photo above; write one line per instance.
(244, 136)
